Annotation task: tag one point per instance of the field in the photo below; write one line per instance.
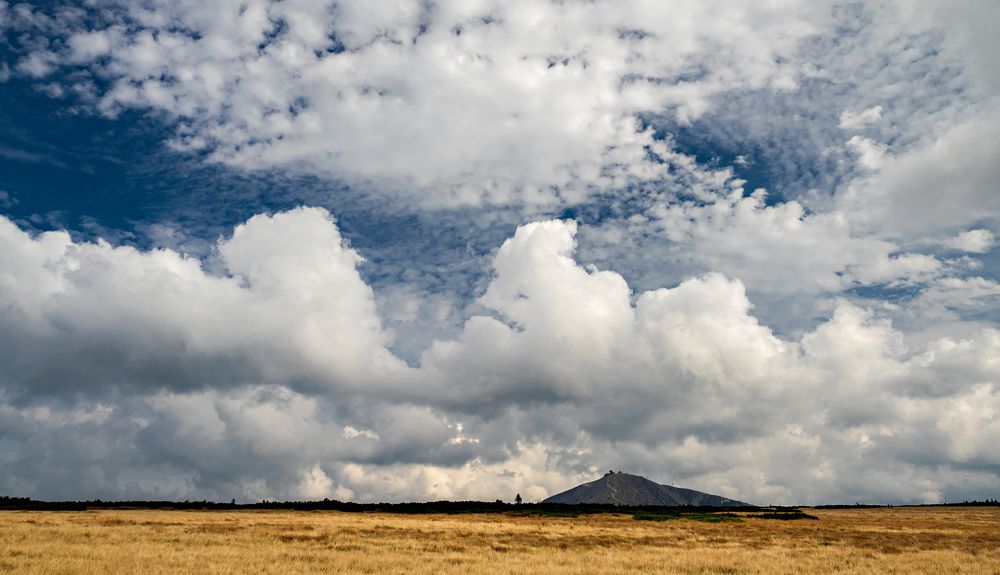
(898, 540)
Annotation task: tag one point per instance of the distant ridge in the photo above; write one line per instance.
(634, 490)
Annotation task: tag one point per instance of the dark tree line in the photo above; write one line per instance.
(449, 507)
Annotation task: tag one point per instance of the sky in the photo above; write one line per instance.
(462, 249)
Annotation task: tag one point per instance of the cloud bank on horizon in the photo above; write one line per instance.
(748, 249)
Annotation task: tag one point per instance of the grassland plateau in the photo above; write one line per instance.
(882, 540)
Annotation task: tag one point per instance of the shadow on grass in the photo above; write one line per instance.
(786, 516)
(704, 517)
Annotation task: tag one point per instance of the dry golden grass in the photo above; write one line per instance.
(901, 540)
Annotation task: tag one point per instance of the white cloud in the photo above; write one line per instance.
(948, 183)
(950, 299)
(87, 46)
(266, 370)
(969, 36)
(275, 381)
(38, 64)
(972, 241)
(465, 102)
(781, 248)
(316, 484)
(291, 305)
(869, 153)
(855, 120)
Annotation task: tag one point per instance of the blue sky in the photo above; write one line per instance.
(453, 250)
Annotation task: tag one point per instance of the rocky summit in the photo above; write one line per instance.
(634, 490)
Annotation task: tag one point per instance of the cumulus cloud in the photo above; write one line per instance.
(95, 317)
(562, 372)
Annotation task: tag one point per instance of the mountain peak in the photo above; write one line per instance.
(618, 488)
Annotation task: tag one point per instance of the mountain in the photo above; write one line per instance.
(627, 489)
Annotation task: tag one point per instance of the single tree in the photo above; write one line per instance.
(517, 499)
